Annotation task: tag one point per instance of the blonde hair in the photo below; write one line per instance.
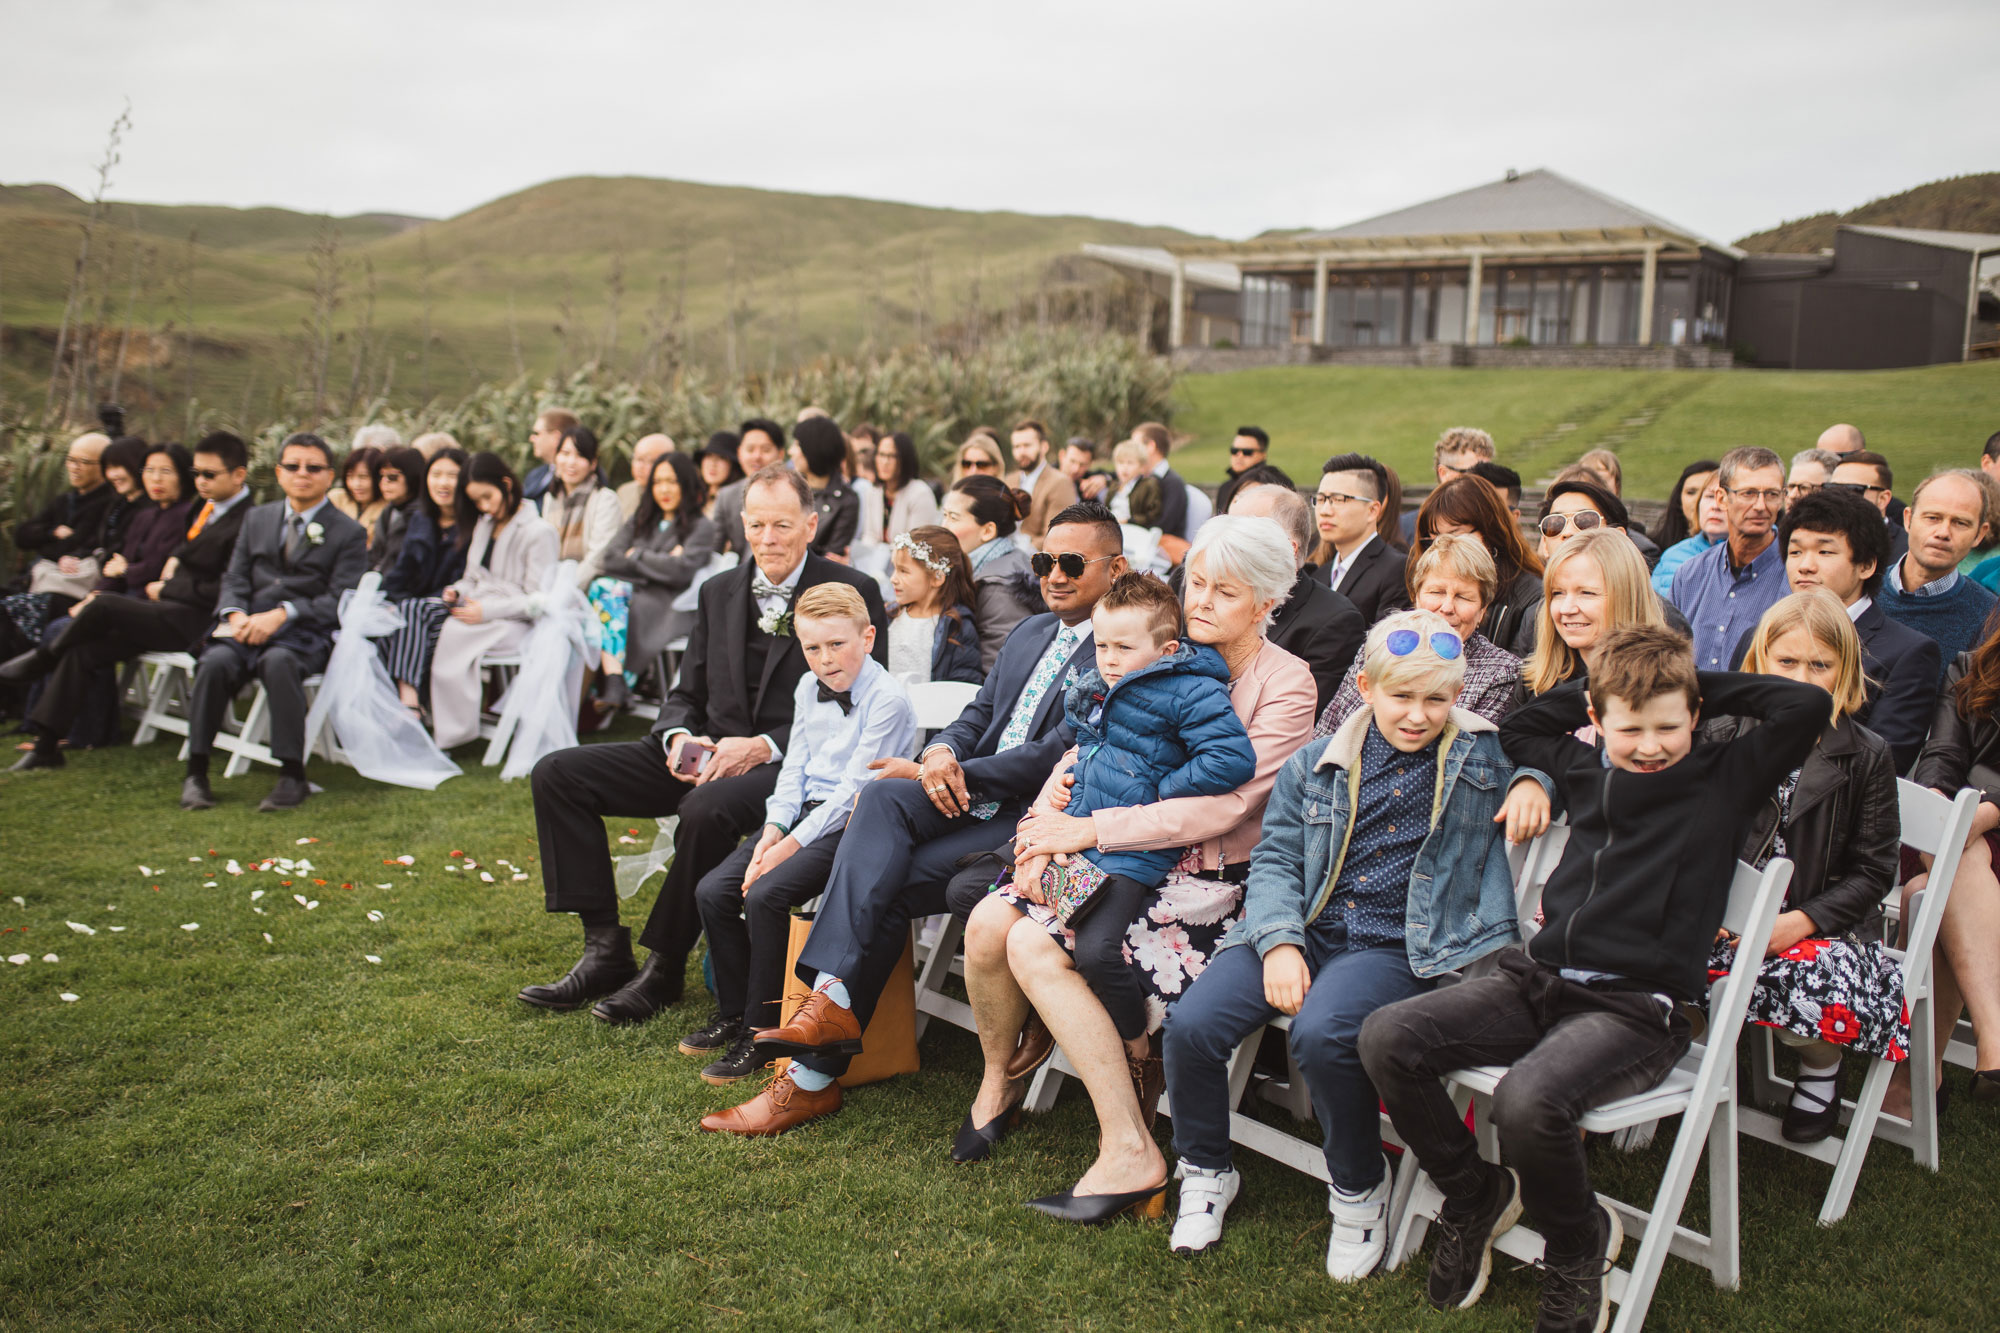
(1459, 555)
(1421, 667)
(1605, 464)
(1629, 600)
(1463, 440)
(832, 601)
(428, 444)
(1130, 451)
(1820, 614)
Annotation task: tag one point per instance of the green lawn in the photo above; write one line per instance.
(227, 1133)
(1657, 421)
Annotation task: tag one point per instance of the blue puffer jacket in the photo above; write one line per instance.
(1461, 891)
(955, 649)
(1164, 731)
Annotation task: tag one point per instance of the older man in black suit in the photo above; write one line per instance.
(105, 629)
(276, 613)
(712, 759)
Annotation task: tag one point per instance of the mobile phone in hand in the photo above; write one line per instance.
(694, 758)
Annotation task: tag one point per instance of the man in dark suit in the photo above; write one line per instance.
(1174, 535)
(1834, 540)
(733, 703)
(1315, 624)
(105, 629)
(276, 613)
(911, 827)
(1370, 572)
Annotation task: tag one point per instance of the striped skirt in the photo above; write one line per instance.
(407, 652)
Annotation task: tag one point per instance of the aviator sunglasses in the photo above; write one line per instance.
(1069, 562)
(1403, 642)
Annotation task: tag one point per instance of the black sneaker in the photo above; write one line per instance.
(716, 1037)
(1464, 1258)
(1574, 1297)
(741, 1061)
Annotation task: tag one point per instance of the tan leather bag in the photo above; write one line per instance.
(889, 1043)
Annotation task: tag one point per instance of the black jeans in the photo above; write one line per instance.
(1100, 953)
(1571, 1047)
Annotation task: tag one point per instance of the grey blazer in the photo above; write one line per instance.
(659, 565)
(260, 578)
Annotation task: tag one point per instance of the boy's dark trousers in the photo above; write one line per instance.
(1571, 1047)
(750, 933)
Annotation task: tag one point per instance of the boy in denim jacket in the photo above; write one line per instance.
(1382, 865)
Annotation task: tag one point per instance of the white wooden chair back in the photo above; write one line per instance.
(939, 702)
(720, 562)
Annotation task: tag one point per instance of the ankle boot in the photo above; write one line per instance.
(658, 985)
(606, 965)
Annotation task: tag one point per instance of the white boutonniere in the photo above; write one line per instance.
(315, 534)
(777, 624)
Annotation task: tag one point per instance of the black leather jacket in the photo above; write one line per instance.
(1958, 744)
(1845, 830)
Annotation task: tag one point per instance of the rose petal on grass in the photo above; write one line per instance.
(255, 894)
(623, 838)
(520, 874)
(456, 852)
(451, 870)
(299, 898)
(303, 841)
(371, 958)
(407, 860)
(68, 997)
(195, 859)
(118, 930)
(19, 901)
(314, 903)
(190, 925)
(486, 875)
(80, 928)
(385, 886)
(304, 867)
(17, 958)
(258, 910)
(267, 937)
(374, 916)
(50, 958)
(146, 870)
(233, 868)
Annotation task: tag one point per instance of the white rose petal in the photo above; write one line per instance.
(19, 901)
(299, 898)
(255, 894)
(50, 958)
(407, 860)
(17, 958)
(385, 886)
(303, 841)
(195, 859)
(371, 958)
(68, 997)
(285, 865)
(267, 937)
(80, 928)
(234, 868)
(111, 907)
(520, 875)
(314, 903)
(118, 930)
(451, 870)
(486, 875)
(190, 925)
(374, 916)
(623, 837)
(259, 911)
(304, 866)
(145, 870)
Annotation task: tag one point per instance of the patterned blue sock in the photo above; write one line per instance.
(835, 988)
(808, 1080)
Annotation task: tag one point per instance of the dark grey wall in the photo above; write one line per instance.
(1880, 303)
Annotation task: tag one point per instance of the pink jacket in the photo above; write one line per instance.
(1275, 697)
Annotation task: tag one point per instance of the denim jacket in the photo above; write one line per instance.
(1461, 893)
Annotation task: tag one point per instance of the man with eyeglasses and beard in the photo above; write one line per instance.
(279, 606)
(1726, 589)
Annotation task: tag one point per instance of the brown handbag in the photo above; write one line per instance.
(889, 1042)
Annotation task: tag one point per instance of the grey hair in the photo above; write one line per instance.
(1818, 457)
(377, 436)
(1290, 512)
(781, 476)
(1253, 551)
(1748, 458)
(1970, 475)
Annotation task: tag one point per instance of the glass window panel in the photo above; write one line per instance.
(1340, 315)
(1548, 321)
(1389, 311)
(1673, 308)
(1422, 306)
(1617, 306)
(1489, 302)
(1449, 325)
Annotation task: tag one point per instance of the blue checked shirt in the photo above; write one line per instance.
(1723, 603)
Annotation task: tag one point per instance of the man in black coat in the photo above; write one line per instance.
(912, 826)
(276, 612)
(105, 629)
(1315, 624)
(733, 704)
(1348, 507)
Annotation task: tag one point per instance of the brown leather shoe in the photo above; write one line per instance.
(819, 1025)
(1037, 1043)
(1149, 1081)
(782, 1105)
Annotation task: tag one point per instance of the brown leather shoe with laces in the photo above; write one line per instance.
(782, 1105)
(819, 1025)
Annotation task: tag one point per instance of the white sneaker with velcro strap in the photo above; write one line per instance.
(1205, 1198)
(1360, 1230)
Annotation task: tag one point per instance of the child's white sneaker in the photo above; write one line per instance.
(1360, 1230)
(1205, 1197)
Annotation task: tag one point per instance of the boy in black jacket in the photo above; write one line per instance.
(1586, 1014)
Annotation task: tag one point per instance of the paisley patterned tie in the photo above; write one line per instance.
(1046, 673)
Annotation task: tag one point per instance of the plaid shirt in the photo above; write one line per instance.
(1492, 675)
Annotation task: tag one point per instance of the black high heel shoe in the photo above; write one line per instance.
(975, 1143)
(1984, 1085)
(1148, 1204)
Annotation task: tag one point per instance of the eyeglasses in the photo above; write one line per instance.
(310, 469)
(396, 477)
(1328, 499)
(1798, 488)
(1069, 562)
(1583, 519)
(1769, 497)
(1403, 642)
(208, 473)
(1235, 452)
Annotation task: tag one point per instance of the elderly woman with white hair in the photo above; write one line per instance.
(1018, 963)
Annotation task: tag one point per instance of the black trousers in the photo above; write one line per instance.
(1100, 953)
(576, 790)
(105, 632)
(894, 863)
(1572, 1047)
(749, 933)
(282, 664)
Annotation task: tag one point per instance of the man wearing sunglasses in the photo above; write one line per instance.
(1867, 474)
(279, 605)
(1727, 588)
(170, 617)
(1251, 448)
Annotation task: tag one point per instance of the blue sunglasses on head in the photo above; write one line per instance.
(1403, 642)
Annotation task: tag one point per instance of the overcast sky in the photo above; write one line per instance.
(1222, 119)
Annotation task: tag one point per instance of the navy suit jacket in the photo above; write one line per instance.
(1902, 668)
(1375, 582)
(1019, 773)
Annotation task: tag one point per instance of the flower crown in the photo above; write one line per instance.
(921, 553)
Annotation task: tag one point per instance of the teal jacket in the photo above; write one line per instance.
(1461, 892)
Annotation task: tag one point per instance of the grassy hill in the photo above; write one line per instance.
(1962, 203)
(638, 273)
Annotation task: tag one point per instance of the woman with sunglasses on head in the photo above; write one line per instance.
(1472, 505)
(982, 512)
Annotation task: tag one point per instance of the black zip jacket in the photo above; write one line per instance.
(1645, 877)
(1845, 830)
(1959, 745)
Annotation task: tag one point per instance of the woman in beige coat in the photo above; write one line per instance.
(512, 555)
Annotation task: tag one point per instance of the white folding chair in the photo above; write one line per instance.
(938, 703)
(247, 740)
(162, 689)
(1938, 827)
(1701, 1090)
(503, 667)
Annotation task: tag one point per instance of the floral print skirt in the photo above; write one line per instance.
(1174, 936)
(1840, 991)
(612, 600)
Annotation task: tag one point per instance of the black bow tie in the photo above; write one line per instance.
(845, 698)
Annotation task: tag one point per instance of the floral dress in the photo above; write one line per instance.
(1844, 991)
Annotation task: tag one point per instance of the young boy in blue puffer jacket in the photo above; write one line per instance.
(1153, 722)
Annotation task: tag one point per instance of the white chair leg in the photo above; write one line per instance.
(255, 724)
(1044, 1087)
(1860, 1138)
(1725, 1255)
(937, 965)
(1924, 1068)
(1667, 1205)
